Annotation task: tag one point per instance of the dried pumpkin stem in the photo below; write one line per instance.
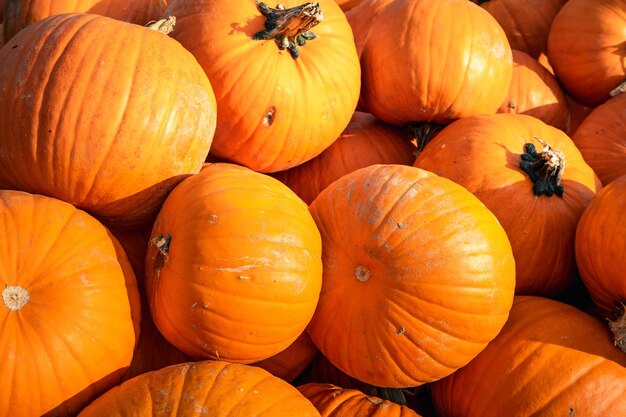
(15, 297)
(290, 28)
(618, 326)
(422, 132)
(544, 168)
(165, 26)
(620, 89)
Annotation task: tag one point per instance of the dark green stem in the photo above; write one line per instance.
(395, 395)
(618, 326)
(290, 28)
(422, 132)
(544, 168)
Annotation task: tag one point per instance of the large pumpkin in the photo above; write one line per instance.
(550, 359)
(586, 48)
(532, 177)
(275, 111)
(361, 17)
(69, 314)
(366, 141)
(106, 115)
(434, 61)
(418, 275)
(203, 389)
(601, 138)
(291, 362)
(601, 254)
(21, 13)
(234, 266)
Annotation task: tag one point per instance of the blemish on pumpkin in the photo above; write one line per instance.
(15, 297)
(400, 330)
(572, 412)
(362, 273)
(244, 277)
(400, 225)
(511, 105)
(269, 116)
(163, 245)
(212, 218)
(377, 401)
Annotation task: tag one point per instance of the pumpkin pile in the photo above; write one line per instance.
(361, 207)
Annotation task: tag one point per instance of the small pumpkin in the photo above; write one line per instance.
(550, 359)
(418, 275)
(292, 361)
(535, 181)
(205, 388)
(365, 141)
(69, 307)
(107, 115)
(601, 138)
(234, 269)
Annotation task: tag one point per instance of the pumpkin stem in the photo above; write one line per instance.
(165, 26)
(618, 326)
(15, 297)
(289, 27)
(620, 89)
(395, 395)
(422, 133)
(544, 168)
(163, 245)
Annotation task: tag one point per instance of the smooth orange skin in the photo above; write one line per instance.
(601, 138)
(535, 92)
(292, 361)
(20, 13)
(426, 61)
(550, 359)
(274, 112)
(365, 141)
(361, 17)
(108, 116)
(482, 153)
(244, 269)
(586, 48)
(525, 22)
(348, 4)
(333, 401)
(601, 246)
(205, 388)
(75, 337)
(441, 278)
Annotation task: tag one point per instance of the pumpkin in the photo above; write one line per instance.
(206, 388)
(535, 92)
(321, 370)
(331, 400)
(292, 361)
(361, 17)
(578, 113)
(601, 254)
(280, 102)
(586, 48)
(525, 22)
(532, 177)
(418, 275)
(365, 141)
(601, 138)
(110, 132)
(434, 62)
(550, 359)
(234, 267)
(69, 314)
(348, 4)
(21, 13)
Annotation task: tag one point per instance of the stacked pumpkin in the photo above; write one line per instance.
(400, 200)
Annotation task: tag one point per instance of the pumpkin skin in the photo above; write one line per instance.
(434, 265)
(365, 141)
(241, 273)
(74, 337)
(21, 13)
(601, 138)
(588, 58)
(292, 361)
(206, 388)
(550, 358)
(299, 106)
(525, 22)
(361, 18)
(348, 4)
(108, 134)
(451, 58)
(331, 400)
(483, 153)
(535, 92)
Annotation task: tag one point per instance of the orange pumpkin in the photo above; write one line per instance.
(538, 204)
(275, 111)
(361, 17)
(601, 254)
(292, 361)
(69, 314)
(21, 13)
(434, 62)
(234, 267)
(348, 4)
(418, 275)
(601, 138)
(207, 389)
(366, 141)
(535, 92)
(110, 132)
(586, 48)
(550, 359)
